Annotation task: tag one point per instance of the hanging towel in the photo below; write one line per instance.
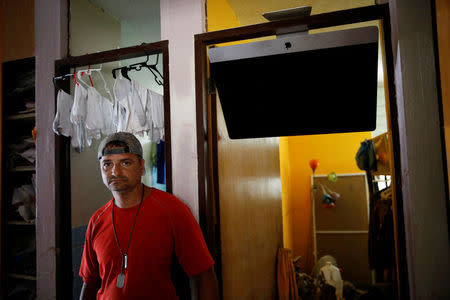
(287, 285)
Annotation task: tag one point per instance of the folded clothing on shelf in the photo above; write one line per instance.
(24, 199)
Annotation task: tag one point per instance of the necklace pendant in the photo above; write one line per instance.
(120, 280)
(124, 261)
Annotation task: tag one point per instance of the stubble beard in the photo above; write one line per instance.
(118, 186)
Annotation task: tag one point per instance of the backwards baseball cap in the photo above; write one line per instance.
(132, 144)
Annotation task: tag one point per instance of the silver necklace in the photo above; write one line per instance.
(121, 277)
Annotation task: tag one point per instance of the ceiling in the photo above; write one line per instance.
(250, 11)
(132, 11)
(247, 12)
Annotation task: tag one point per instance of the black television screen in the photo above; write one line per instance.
(309, 84)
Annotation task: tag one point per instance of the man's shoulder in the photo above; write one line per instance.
(102, 211)
(167, 200)
(163, 196)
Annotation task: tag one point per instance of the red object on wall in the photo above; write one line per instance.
(313, 163)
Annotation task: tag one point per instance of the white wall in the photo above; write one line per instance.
(143, 30)
(180, 21)
(91, 30)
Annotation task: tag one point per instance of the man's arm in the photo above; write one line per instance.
(207, 285)
(89, 291)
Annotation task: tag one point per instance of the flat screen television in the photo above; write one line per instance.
(298, 85)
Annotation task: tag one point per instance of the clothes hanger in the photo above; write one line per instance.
(107, 90)
(124, 72)
(98, 71)
(152, 68)
(78, 77)
(62, 77)
(89, 71)
(138, 66)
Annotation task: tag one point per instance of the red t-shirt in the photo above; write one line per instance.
(164, 224)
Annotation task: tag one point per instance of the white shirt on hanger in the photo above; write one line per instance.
(108, 122)
(61, 123)
(78, 117)
(94, 116)
(122, 91)
(137, 122)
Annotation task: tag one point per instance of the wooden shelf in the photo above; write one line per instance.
(17, 126)
(23, 169)
(21, 223)
(21, 276)
(30, 115)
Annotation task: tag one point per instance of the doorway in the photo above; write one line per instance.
(74, 208)
(209, 154)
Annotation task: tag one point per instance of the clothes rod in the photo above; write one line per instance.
(113, 55)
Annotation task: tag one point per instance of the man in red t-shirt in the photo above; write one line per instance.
(130, 240)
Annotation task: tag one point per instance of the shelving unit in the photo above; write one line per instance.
(20, 276)
(22, 116)
(18, 200)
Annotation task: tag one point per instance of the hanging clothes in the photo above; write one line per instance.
(137, 101)
(381, 234)
(155, 105)
(108, 117)
(78, 117)
(365, 156)
(122, 90)
(88, 115)
(61, 123)
(139, 110)
(286, 283)
(94, 116)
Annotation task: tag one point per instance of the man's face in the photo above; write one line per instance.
(121, 172)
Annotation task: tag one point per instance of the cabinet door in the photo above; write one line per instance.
(342, 231)
(250, 215)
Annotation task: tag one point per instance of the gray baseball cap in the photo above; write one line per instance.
(133, 144)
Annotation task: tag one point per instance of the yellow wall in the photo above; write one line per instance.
(220, 15)
(443, 25)
(335, 152)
